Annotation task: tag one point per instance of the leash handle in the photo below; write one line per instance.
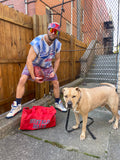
(87, 127)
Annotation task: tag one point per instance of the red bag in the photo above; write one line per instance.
(38, 117)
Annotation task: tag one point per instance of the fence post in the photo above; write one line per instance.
(35, 33)
(44, 87)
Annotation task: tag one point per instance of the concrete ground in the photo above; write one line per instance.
(56, 143)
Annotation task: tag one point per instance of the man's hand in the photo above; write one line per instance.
(52, 74)
(38, 80)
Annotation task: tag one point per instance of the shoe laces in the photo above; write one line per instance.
(12, 108)
(60, 102)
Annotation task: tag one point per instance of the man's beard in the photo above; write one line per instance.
(51, 39)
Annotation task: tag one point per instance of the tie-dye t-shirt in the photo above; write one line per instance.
(45, 53)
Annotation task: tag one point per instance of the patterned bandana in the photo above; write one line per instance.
(54, 25)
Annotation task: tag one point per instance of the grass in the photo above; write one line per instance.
(87, 154)
(40, 139)
(73, 150)
(56, 144)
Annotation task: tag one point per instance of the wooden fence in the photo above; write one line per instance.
(71, 52)
(17, 30)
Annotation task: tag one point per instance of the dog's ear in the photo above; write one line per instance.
(77, 89)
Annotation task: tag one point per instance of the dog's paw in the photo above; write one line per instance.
(75, 126)
(111, 120)
(115, 126)
(82, 137)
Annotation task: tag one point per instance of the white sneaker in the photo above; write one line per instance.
(14, 110)
(60, 106)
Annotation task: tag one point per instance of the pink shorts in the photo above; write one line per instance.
(46, 72)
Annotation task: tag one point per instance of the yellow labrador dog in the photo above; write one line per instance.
(84, 100)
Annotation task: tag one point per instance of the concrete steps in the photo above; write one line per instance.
(103, 69)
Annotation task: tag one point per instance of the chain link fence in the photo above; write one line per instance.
(87, 20)
(91, 20)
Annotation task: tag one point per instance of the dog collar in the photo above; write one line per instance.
(77, 104)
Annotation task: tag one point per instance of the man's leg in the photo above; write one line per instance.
(16, 106)
(21, 86)
(56, 88)
(58, 102)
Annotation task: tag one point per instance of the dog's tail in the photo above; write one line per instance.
(108, 84)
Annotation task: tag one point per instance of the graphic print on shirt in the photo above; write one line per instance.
(45, 53)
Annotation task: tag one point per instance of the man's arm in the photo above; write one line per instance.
(57, 62)
(31, 56)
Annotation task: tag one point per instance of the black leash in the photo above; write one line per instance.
(70, 130)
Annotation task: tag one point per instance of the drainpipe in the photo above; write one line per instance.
(78, 18)
(71, 16)
(26, 7)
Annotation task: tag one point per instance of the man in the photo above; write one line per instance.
(43, 49)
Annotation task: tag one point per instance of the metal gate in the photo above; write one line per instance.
(96, 23)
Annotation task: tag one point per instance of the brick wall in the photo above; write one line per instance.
(19, 5)
(95, 13)
(31, 9)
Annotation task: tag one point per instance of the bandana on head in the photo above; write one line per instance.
(54, 25)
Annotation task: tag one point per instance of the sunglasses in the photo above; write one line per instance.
(52, 30)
